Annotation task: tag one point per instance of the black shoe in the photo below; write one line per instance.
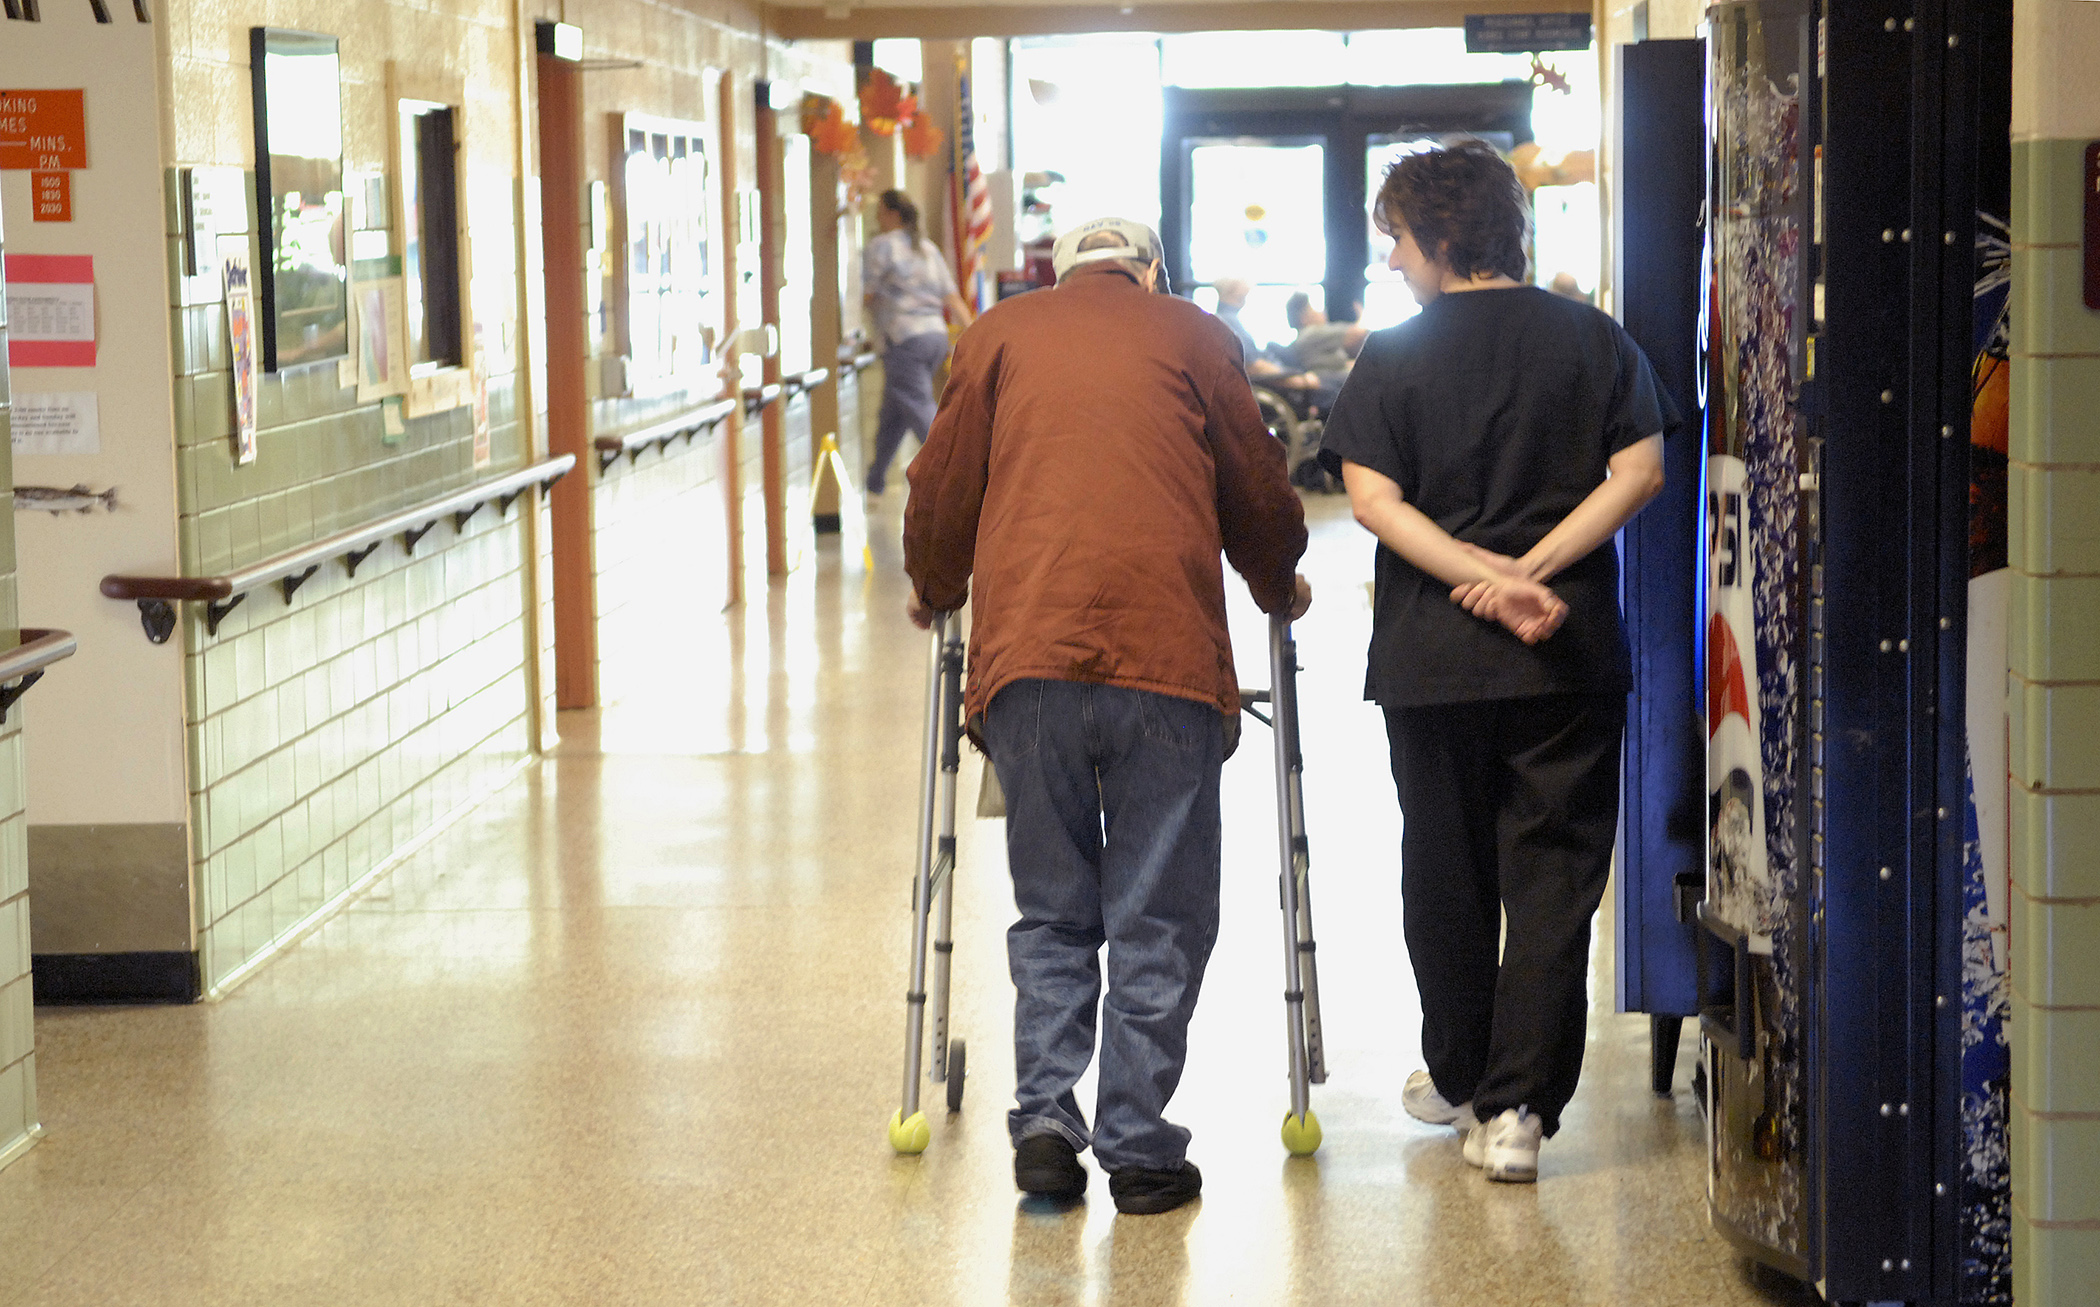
(1048, 1167)
(1139, 1192)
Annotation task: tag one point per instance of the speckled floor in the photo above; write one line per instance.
(629, 1034)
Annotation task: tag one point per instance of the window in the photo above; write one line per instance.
(673, 304)
(430, 262)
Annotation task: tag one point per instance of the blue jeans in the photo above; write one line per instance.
(1111, 837)
(907, 397)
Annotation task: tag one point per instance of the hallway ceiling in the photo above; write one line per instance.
(955, 19)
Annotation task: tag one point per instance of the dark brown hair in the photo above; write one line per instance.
(1464, 205)
(899, 203)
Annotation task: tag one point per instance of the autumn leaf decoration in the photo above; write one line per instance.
(922, 140)
(884, 104)
(824, 122)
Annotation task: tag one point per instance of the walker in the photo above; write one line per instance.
(933, 892)
(1301, 979)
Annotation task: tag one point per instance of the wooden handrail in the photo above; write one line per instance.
(23, 665)
(688, 424)
(291, 569)
(757, 397)
(802, 382)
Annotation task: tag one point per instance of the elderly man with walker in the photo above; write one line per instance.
(1096, 450)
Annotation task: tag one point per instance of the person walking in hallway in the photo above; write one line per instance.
(1494, 444)
(907, 284)
(1096, 449)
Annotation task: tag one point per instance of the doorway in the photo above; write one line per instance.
(1271, 186)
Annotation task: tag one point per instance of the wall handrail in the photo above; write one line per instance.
(660, 435)
(23, 665)
(221, 594)
(757, 397)
(857, 358)
(800, 383)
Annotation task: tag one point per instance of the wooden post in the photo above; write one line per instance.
(773, 420)
(826, 289)
(568, 408)
(733, 425)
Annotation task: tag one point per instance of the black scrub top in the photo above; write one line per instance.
(1497, 412)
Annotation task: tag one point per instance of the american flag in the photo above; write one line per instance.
(974, 210)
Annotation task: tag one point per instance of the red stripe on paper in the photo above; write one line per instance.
(48, 269)
(50, 353)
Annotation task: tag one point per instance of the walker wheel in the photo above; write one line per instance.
(909, 1137)
(958, 1069)
(1301, 1135)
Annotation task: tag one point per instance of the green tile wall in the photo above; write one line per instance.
(18, 1114)
(328, 734)
(2054, 647)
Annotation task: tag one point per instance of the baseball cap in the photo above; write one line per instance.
(1139, 242)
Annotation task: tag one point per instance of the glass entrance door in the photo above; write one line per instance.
(1257, 212)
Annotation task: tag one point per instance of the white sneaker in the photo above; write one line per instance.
(1507, 1148)
(1424, 1103)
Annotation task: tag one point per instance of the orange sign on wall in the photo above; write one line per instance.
(43, 130)
(51, 196)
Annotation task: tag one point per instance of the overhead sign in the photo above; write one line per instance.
(1526, 33)
(43, 130)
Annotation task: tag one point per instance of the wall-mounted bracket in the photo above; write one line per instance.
(158, 617)
(356, 556)
(606, 458)
(10, 693)
(291, 584)
(215, 611)
(413, 534)
(464, 516)
(503, 502)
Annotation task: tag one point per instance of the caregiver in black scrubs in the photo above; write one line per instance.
(1494, 444)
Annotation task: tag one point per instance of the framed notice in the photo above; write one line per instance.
(51, 310)
(235, 272)
(382, 346)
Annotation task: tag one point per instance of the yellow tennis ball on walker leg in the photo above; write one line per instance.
(910, 1136)
(1301, 1134)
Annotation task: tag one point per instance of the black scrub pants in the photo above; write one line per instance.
(1509, 806)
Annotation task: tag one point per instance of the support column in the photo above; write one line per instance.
(733, 425)
(568, 402)
(773, 419)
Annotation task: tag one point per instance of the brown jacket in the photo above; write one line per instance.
(1096, 448)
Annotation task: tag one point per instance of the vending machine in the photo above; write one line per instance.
(1853, 658)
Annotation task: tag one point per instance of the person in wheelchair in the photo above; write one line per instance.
(1323, 350)
(1291, 399)
(1263, 369)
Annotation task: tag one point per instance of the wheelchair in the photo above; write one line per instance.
(1292, 418)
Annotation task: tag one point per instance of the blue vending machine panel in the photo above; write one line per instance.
(1854, 632)
(1658, 203)
(1756, 455)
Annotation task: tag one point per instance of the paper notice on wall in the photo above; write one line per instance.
(242, 345)
(50, 310)
(63, 423)
(481, 414)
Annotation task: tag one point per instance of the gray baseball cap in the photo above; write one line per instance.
(1139, 242)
